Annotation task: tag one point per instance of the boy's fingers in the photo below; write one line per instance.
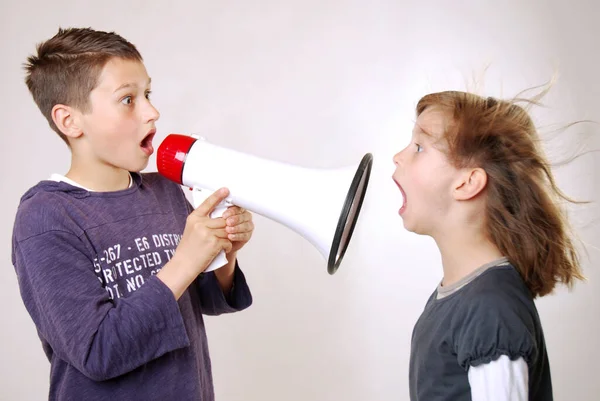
(238, 219)
(241, 228)
(233, 210)
(215, 223)
(221, 233)
(211, 202)
(242, 237)
(227, 245)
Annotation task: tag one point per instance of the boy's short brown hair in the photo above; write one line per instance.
(67, 66)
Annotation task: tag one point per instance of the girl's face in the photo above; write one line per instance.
(425, 176)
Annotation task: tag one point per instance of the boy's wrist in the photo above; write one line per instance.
(226, 274)
(177, 276)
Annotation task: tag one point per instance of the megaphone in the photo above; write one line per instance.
(321, 205)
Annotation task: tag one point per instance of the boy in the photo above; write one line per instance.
(110, 261)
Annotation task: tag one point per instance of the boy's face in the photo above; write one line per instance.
(119, 127)
(425, 176)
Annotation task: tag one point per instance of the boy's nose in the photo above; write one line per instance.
(152, 113)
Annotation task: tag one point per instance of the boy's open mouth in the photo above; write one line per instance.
(146, 143)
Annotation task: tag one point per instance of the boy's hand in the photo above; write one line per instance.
(239, 226)
(203, 237)
(202, 240)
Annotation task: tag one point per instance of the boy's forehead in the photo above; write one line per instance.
(118, 73)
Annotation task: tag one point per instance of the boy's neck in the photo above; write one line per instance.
(99, 178)
(464, 252)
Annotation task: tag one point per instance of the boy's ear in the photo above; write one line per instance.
(66, 120)
(470, 183)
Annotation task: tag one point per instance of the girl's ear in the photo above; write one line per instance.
(470, 183)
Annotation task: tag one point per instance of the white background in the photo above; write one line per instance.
(318, 84)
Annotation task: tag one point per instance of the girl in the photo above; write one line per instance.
(474, 179)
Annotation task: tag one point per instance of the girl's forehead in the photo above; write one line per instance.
(432, 122)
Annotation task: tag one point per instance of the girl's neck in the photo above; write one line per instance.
(464, 252)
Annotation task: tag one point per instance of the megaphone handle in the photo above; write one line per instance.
(198, 196)
(220, 260)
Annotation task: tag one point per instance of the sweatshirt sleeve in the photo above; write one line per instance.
(212, 299)
(101, 337)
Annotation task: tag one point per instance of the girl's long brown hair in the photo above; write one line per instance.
(523, 214)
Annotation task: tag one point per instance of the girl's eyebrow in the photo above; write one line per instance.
(421, 130)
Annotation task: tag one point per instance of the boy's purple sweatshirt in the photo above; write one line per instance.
(86, 265)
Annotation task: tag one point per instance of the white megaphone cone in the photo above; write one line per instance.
(320, 205)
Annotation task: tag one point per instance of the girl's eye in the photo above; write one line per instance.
(419, 148)
(127, 100)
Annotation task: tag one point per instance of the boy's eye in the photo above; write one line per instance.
(126, 100)
(148, 94)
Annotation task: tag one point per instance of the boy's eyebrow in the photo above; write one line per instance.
(130, 85)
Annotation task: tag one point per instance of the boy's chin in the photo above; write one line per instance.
(139, 167)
